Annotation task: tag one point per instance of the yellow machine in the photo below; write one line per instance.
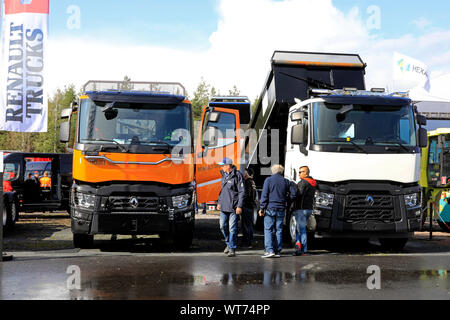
(435, 175)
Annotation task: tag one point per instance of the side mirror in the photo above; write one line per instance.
(423, 138)
(298, 136)
(214, 117)
(421, 120)
(297, 116)
(66, 113)
(64, 132)
(210, 137)
(74, 106)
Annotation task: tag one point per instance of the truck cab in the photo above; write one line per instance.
(364, 149)
(133, 161)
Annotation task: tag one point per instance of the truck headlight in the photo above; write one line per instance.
(324, 200)
(181, 202)
(83, 200)
(412, 200)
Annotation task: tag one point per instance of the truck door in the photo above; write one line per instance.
(218, 137)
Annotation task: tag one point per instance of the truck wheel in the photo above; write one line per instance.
(293, 230)
(258, 222)
(83, 241)
(4, 217)
(393, 244)
(12, 216)
(183, 240)
(444, 226)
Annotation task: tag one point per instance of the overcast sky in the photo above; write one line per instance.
(230, 42)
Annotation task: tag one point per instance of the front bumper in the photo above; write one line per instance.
(144, 211)
(84, 222)
(388, 217)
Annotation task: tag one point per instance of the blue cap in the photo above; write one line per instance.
(226, 161)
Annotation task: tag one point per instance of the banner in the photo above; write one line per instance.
(23, 98)
(410, 73)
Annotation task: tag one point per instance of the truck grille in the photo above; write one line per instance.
(134, 204)
(359, 201)
(360, 215)
(360, 208)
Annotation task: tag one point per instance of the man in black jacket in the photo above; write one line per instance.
(231, 202)
(249, 207)
(306, 190)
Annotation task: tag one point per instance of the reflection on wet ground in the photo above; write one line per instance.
(250, 277)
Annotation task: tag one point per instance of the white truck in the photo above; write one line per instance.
(363, 147)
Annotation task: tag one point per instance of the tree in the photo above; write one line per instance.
(126, 84)
(234, 92)
(49, 142)
(201, 98)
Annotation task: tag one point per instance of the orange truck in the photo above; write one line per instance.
(133, 161)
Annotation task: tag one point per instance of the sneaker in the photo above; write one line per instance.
(268, 255)
(232, 253)
(277, 255)
(227, 250)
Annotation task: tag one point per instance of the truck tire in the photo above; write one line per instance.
(183, 240)
(83, 241)
(5, 217)
(13, 216)
(292, 230)
(395, 245)
(258, 222)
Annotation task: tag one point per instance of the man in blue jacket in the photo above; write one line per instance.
(231, 201)
(277, 191)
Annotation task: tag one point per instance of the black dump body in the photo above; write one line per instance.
(292, 76)
(29, 193)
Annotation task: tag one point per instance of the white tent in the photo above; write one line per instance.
(437, 100)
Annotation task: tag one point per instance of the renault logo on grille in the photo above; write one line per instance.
(134, 203)
(370, 201)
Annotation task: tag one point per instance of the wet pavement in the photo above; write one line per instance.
(47, 266)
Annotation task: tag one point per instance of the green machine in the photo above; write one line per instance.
(435, 173)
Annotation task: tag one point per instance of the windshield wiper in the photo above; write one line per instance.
(158, 142)
(358, 147)
(396, 143)
(113, 141)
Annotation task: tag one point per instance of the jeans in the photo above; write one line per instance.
(273, 223)
(247, 225)
(301, 217)
(229, 228)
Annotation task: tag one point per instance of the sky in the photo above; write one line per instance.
(230, 42)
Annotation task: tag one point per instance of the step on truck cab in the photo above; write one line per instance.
(133, 161)
(363, 147)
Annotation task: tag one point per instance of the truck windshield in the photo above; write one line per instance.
(364, 125)
(135, 124)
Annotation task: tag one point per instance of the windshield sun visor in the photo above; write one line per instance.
(101, 98)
